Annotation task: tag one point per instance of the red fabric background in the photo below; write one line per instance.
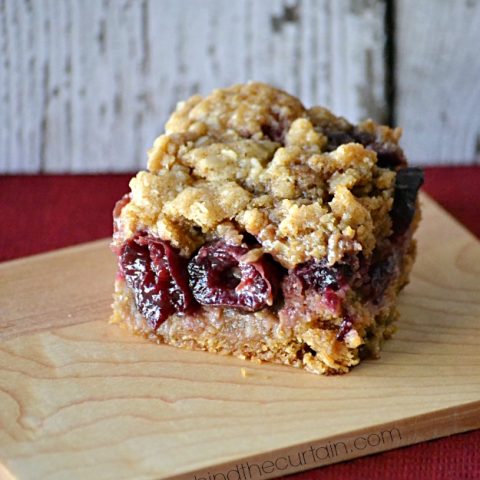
(40, 213)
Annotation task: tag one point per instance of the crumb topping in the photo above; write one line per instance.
(251, 159)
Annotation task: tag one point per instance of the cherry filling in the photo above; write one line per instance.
(318, 275)
(275, 130)
(220, 276)
(157, 275)
(407, 184)
(377, 274)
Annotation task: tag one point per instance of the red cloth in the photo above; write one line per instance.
(39, 213)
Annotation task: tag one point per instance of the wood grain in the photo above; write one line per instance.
(80, 398)
(438, 94)
(87, 85)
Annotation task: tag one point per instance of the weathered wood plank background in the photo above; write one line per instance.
(86, 85)
(438, 79)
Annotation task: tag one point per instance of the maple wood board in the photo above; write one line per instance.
(80, 398)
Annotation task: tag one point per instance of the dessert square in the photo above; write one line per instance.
(268, 231)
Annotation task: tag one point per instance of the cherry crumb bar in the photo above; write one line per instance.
(268, 231)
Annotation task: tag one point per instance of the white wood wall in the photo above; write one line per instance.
(86, 85)
(438, 79)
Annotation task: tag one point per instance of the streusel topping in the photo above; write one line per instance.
(250, 158)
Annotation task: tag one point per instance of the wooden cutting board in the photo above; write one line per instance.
(82, 399)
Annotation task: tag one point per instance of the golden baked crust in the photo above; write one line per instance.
(217, 164)
(313, 192)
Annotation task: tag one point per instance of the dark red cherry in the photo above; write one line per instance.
(318, 275)
(220, 277)
(157, 275)
(275, 131)
(389, 156)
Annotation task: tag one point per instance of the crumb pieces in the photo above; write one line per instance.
(251, 156)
